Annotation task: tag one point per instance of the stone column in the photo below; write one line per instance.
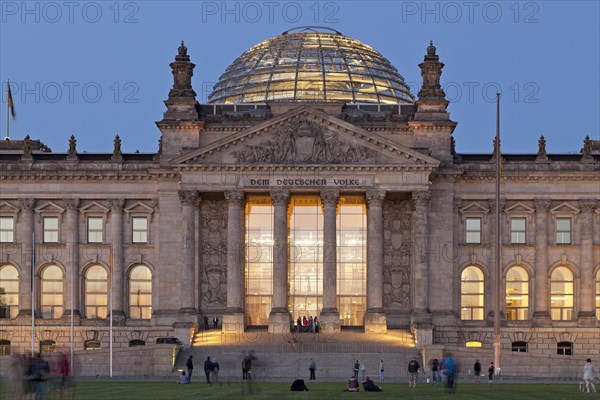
(26, 238)
(189, 201)
(116, 226)
(587, 313)
(542, 299)
(279, 318)
(420, 203)
(233, 319)
(71, 232)
(375, 320)
(330, 315)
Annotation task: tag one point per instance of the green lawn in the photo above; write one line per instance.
(147, 390)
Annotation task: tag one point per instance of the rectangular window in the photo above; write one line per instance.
(95, 229)
(518, 228)
(139, 229)
(563, 230)
(473, 230)
(50, 229)
(7, 230)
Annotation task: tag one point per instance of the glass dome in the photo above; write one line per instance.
(306, 64)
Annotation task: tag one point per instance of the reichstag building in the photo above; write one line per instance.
(312, 183)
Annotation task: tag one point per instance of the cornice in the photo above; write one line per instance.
(74, 176)
(305, 167)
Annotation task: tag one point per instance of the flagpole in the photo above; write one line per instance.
(33, 295)
(7, 108)
(111, 311)
(72, 330)
(497, 307)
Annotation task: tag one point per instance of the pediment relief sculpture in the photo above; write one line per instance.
(304, 141)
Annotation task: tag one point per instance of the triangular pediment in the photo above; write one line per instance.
(474, 208)
(8, 209)
(49, 207)
(519, 208)
(564, 209)
(94, 207)
(305, 136)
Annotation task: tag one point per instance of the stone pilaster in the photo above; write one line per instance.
(26, 240)
(330, 315)
(233, 319)
(420, 204)
(279, 318)
(541, 314)
(116, 225)
(375, 319)
(189, 202)
(71, 230)
(587, 314)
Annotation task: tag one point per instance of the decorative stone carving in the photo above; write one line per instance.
(188, 196)
(542, 205)
(71, 204)
(303, 141)
(541, 154)
(213, 255)
(117, 154)
(375, 197)
(72, 152)
(26, 204)
(420, 199)
(26, 149)
(587, 205)
(280, 197)
(397, 243)
(586, 151)
(116, 204)
(431, 71)
(234, 196)
(330, 197)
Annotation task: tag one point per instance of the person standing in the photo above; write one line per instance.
(381, 376)
(450, 371)
(413, 372)
(312, 367)
(363, 371)
(206, 323)
(246, 367)
(190, 367)
(356, 368)
(491, 372)
(208, 366)
(215, 371)
(477, 370)
(435, 372)
(588, 375)
(215, 322)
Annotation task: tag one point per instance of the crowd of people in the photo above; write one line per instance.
(31, 377)
(310, 324)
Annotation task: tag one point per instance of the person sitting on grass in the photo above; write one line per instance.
(299, 386)
(352, 384)
(183, 379)
(369, 386)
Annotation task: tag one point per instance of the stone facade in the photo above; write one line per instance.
(418, 193)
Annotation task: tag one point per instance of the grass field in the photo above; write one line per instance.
(149, 390)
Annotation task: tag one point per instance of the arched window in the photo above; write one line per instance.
(471, 294)
(92, 344)
(517, 294)
(96, 292)
(561, 296)
(9, 291)
(598, 294)
(52, 292)
(140, 292)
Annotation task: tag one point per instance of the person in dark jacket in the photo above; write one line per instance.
(190, 367)
(369, 386)
(477, 370)
(299, 386)
(208, 367)
(413, 372)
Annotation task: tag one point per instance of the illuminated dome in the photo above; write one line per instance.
(306, 64)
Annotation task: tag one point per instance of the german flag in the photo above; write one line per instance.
(9, 102)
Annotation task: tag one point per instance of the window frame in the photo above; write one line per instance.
(513, 231)
(506, 297)
(131, 294)
(146, 231)
(47, 346)
(563, 310)
(520, 346)
(87, 293)
(89, 231)
(559, 232)
(47, 231)
(564, 348)
(13, 309)
(481, 295)
(469, 231)
(43, 294)
(10, 231)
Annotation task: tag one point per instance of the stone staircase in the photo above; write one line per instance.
(286, 356)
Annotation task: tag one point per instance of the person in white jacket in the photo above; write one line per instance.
(588, 375)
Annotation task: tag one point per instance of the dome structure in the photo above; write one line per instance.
(308, 64)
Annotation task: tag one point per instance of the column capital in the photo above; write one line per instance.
(330, 197)
(234, 196)
(71, 204)
(26, 204)
(420, 199)
(375, 197)
(280, 197)
(188, 196)
(116, 204)
(542, 205)
(587, 205)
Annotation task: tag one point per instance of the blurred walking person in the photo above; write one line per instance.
(588, 375)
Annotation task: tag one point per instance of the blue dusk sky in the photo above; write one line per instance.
(95, 69)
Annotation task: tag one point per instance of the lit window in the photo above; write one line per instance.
(4, 347)
(517, 294)
(137, 342)
(564, 348)
(47, 346)
(52, 292)
(471, 294)
(139, 229)
(473, 230)
(473, 343)
(598, 294)
(96, 292)
(561, 296)
(519, 347)
(518, 229)
(50, 229)
(563, 230)
(140, 293)
(92, 344)
(9, 292)
(95, 229)
(7, 230)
